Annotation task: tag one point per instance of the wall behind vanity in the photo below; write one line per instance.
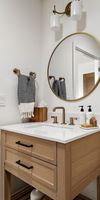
(49, 41)
(92, 26)
(19, 47)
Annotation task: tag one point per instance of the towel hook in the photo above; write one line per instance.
(50, 77)
(32, 74)
(16, 71)
(61, 78)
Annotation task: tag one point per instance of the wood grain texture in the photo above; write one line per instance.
(61, 171)
(42, 149)
(40, 114)
(41, 172)
(7, 186)
(85, 161)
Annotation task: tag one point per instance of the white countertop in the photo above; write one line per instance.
(51, 132)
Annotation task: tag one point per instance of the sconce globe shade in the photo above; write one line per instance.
(76, 9)
(54, 22)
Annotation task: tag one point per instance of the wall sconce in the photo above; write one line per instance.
(73, 9)
(99, 70)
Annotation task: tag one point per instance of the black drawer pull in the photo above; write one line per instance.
(24, 145)
(23, 165)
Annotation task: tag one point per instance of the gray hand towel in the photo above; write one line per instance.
(55, 87)
(63, 89)
(59, 88)
(26, 89)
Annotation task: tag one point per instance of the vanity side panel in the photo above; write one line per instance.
(5, 193)
(63, 172)
(85, 161)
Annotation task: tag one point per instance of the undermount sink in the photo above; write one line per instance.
(49, 126)
(66, 126)
(52, 130)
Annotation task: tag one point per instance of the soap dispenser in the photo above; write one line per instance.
(89, 114)
(82, 115)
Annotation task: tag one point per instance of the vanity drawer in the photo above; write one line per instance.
(37, 171)
(39, 148)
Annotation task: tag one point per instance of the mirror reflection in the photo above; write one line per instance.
(74, 67)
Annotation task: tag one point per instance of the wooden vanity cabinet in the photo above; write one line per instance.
(59, 170)
(32, 160)
(38, 148)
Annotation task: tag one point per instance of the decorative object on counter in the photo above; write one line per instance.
(87, 125)
(40, 114)
(89, 114)
(93, 121)
(26, 93)
(82, 115)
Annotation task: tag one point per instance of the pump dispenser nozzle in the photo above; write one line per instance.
(82, 108)
(82, 115)
(89, 114)
(89, 108)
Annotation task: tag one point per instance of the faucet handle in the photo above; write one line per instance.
(72, 120)
(55, 119)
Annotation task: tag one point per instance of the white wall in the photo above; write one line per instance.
(19, 47)
(92, 26)
(48, 39)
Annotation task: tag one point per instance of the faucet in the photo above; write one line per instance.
(63, 113)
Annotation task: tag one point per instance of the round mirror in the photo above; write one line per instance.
(74, 67)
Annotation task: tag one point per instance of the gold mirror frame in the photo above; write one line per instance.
(77, 33)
